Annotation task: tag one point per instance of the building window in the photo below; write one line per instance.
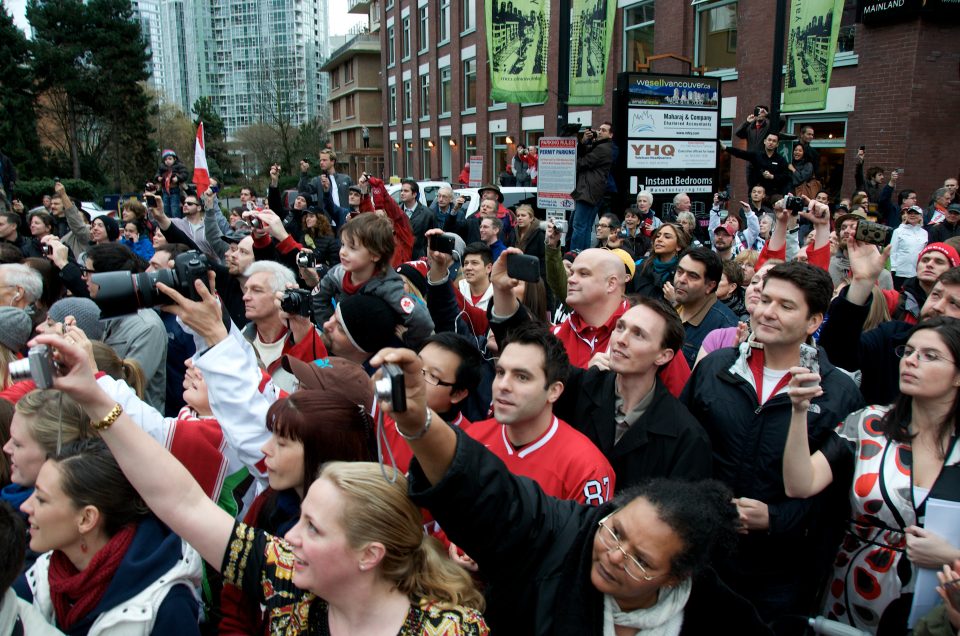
(391, 46)
(830, 142)
(443, 26)
(446, 91)
(532, 137)
(424, 95)
(336, 110)
(469, 15)
(637, 36)
(407, 101)
(499, 156)
(394, 160)
(424, 32)
(348, 102)
(392, 105)
(469, 147)
(469, 84)
(425, 157)
(717, 35)
(408, 158)
(405, 39)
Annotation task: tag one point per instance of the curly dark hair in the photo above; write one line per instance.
(701, 513)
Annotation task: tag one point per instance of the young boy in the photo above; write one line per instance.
(171, 176)
(367, 246)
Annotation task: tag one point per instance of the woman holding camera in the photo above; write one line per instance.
(356, 561)
(318, 236)
(298, 446)
(901, 456)
(108, 565)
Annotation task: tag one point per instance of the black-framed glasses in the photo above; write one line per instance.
(86, 271)
(631, 565)
(430, 378)
(190, 203)
(924, 355)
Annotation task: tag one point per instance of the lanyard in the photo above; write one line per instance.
(756, 366)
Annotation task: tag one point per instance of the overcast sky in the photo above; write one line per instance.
(340, 20)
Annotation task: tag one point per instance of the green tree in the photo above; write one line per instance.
(18, 122)
(90, 61)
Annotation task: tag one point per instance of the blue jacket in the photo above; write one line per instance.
(154, 552)
(142, 248)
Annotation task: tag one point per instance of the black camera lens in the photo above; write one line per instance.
(296, 302)
(121, 293)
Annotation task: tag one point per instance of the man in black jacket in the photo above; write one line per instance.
(328, 166)
(421, 219)
(620, 404)
(594, 159)
(739, 395)
(769, 167)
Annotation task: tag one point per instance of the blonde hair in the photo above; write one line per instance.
(747, 257)
(53, 419)
(376, 510)
(6, 357)
(879, 312)
(128, 370)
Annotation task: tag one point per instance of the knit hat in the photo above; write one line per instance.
(168, 153)
(416, 273)
(628, 262)
(15, 328)
(113, 228)
(339, 375)
(85, 312)
(368, 321)
(306, 197)
(944, 249)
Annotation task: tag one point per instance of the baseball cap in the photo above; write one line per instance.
(914, 209)
(355, 188)
(628, 262)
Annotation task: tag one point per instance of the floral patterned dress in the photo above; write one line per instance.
(872, 583)
(262, 566)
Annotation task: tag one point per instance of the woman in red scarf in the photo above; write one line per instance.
(108, 565)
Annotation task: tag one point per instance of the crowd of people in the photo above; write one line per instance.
(359, 416)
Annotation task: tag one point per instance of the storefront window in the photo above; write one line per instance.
(637, 36)
(717, 35)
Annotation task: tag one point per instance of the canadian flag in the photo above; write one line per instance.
(201, 176)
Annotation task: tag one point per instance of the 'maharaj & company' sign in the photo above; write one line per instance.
(888, 11)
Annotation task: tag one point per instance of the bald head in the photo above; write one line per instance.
(596, 281)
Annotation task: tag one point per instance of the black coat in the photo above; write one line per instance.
(748, 442)
(665, 442)
(874, 357)
(535, 552)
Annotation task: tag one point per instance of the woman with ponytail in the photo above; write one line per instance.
(354, 562)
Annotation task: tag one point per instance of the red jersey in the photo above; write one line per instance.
(563, 461)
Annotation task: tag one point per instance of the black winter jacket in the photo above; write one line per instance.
(665, 442)
(535, 552)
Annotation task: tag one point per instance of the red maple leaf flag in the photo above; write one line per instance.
(201, 176)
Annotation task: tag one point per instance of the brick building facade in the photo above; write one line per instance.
(895, 89)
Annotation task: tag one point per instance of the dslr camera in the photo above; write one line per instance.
(390, 388)
(723, 196)
(121, 293)
(37, 366)
(296, 302)
(794, 204)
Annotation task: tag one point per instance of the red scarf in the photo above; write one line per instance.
(74, 593)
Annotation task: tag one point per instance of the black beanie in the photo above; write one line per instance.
(113, 228)
(368, 321)
(415, 276)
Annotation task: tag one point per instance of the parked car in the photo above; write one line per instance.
(94, 210)
(428, 191)
(512, 197)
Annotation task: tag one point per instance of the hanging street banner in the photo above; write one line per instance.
(590, 33)
(517, 40)
(811, 44)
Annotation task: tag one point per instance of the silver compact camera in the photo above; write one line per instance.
(390, 388)
(37, 366)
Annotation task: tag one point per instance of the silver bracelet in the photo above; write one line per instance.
(421, 433)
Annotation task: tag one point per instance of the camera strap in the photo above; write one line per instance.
(382, 442)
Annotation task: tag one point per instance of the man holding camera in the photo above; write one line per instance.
(328, 166)
(272, 331)
(594, 160)
(191, 224)
(846, 227)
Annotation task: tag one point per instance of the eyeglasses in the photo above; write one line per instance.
(190, 203)
(631, 565)
(430, 378)
(86, 271)
(925, 355)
